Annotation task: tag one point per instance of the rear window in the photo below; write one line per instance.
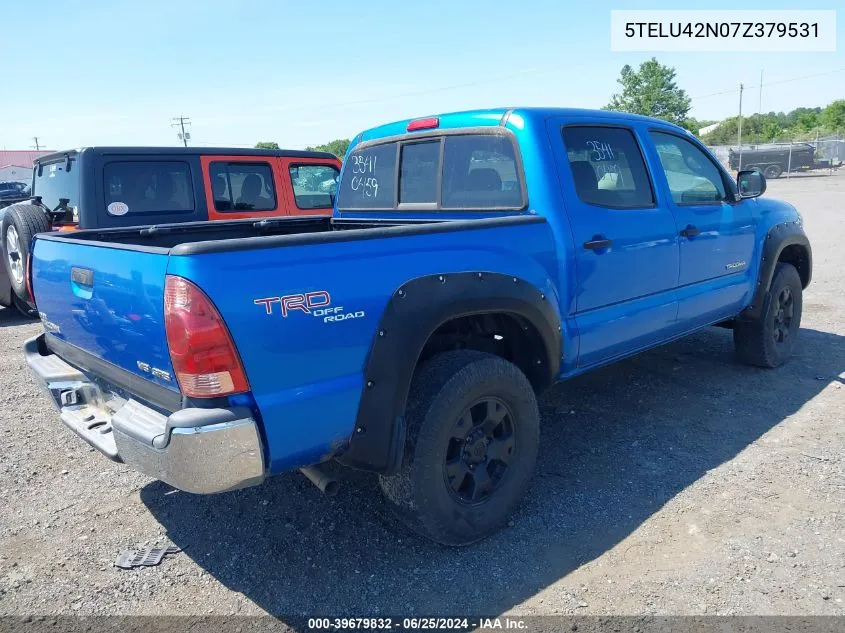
(144, 187)
(242, 186)
(12, 187)
(419, 169)
(57, 180)
(480, 172)
(369, 178)
(314, 186)
(455, 171)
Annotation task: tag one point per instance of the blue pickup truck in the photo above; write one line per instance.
(473, 259)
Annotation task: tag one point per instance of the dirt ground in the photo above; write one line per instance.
(676, 482)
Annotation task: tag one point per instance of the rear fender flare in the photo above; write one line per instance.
(413, 313)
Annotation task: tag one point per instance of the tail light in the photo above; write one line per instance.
(428, 123)
(204, 358)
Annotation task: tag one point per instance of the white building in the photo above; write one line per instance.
(16, 165)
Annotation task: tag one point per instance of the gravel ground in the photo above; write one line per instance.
(676, 482)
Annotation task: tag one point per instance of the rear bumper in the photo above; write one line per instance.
(196, 450)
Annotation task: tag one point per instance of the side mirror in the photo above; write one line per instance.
(750, 183)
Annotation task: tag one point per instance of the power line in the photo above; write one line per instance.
(500, 78)
(181, 122)
(37, 146)
(770, 83)
(784, 81)
(417, 93)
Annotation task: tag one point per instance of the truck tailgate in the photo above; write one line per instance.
(107, 302)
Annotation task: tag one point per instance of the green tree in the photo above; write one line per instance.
(651, 90)
(267, 145)
(833, 116)
(803, 118)
(796, 125)
(694, 125)
(337, 147)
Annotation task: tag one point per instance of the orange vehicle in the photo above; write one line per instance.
(107, 187)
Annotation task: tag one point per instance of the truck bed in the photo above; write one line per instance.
(204, 237)
(302, 299)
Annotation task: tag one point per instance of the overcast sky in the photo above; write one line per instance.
(299, 73)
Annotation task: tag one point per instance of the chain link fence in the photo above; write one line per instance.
(785, 158)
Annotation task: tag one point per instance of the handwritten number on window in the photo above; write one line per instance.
(362, 180)
(600, 151)
(363, 164)
(367, 186)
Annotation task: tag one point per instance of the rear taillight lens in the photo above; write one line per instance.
(204, 358)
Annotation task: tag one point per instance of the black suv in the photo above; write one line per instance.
(105, 187)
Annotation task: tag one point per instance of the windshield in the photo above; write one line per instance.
(12, 189)
(59, 179)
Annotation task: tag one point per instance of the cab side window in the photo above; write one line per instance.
(691, 174)
(314, 186)
(607, 166)
(238, 186)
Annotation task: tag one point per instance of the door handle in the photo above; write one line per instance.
(690, 231)
(598, 244)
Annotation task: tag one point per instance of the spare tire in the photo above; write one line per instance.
(20, 224)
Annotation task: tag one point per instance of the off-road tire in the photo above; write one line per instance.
(27, 220)
(757, 340)
(442, 390)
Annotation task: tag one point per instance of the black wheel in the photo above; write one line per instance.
(772, 171)
(20, 224)
(769, 340)
(473, 434)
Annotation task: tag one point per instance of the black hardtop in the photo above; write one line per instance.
(183, 151)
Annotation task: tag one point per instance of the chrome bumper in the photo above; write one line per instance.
(196, 450)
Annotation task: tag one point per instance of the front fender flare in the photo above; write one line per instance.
(777, 239)
(413, 313)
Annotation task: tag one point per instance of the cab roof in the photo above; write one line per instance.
(497, 116)
(185, 151)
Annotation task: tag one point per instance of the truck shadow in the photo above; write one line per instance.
(617, 444)
(10, 317)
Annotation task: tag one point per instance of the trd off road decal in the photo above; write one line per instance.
(317, 304)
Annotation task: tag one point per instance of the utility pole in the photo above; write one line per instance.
(181, 122)
(760, 105)
(37, 146)
(739, 128)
